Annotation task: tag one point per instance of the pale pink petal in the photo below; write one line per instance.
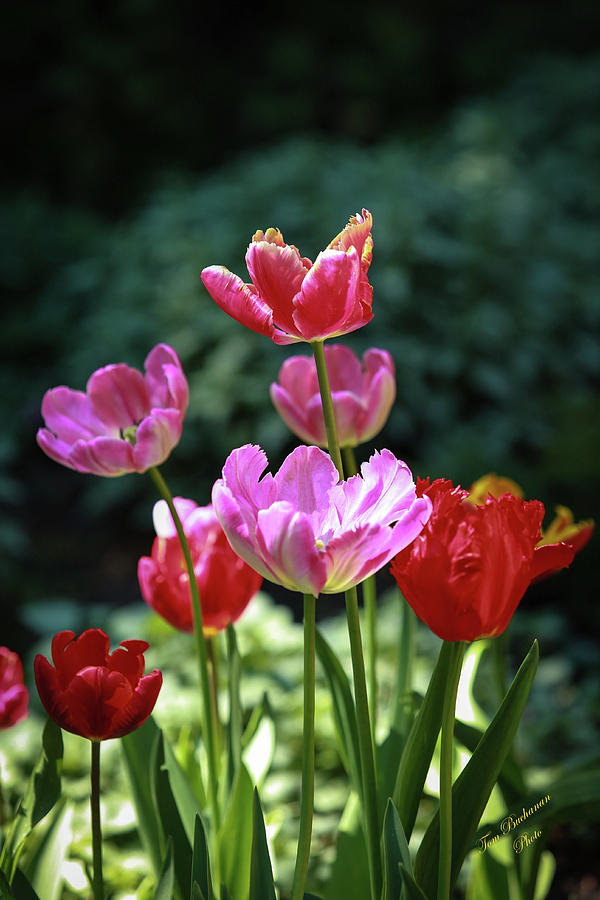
(238, 300)
(305, 479)
(242, 474)
(156, 437)
(410, 524)
(328, 302)
(286, 541)
(70, 416)
(56, 449)
(239, 528)
(162, 519)
(277, 273)
(382, 491)
(349, 412)
(354, 555)
(167, 384)
(119, 395)
(102, 456)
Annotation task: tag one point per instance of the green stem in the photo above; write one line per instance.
(369, 593)
(234, 754)
(213, 678)
(365, 743)
(403, 710)
(447, 736)
(97, 884)
(308, 751)
(327, 402)
(207, 722)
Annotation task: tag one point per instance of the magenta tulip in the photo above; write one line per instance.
(14, 696)
(304, 530)
(363, 395)
(125, 422)
(291, 299)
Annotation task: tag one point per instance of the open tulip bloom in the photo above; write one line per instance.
(290, 298)
(124, 422)
(226, 583)
(304, 530)
(362, 393)
(14, 696)
(467, 571)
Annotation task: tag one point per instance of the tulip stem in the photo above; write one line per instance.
(234, 754)
(327, 403)
(446, 742)
(201, 652)
(404, 703)
(369, 593)
(308, 752)
(365, 743)
(97, 884)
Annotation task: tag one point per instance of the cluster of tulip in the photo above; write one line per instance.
(463, 560)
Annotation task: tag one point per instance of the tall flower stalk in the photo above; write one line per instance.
(201, 653)
(363, 718)
(98, 881)
(308, 752)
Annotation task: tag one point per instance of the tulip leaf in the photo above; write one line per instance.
(474, 785)
(262, 886)
(420, 744)
(235, 837)
(510, 779)
(395, 851)
(166, 880)
(489, 878)
(42, 792)
(196, 893)
(169, 816)
(20, 889)
(135, 753)
(412, 891)
(350, 870)
(344, 714)
(201, 863)
(43, 869)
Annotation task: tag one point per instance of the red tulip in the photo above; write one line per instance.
(225, 582)
(290, 298)
(93, 692)
(562, 529)
(14, 696)
(465, 574)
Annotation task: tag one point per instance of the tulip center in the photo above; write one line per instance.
(128, 434)
(320, 544)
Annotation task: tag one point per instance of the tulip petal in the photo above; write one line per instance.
(139, 706)
(277, 272)
(238, 300)
(305, 479)
(70, 415)
(286, 542)
(119, 395)
(162, 519)
(167, 385)
(328, 302)
(382, 492)
(156, 437)
(102, 456)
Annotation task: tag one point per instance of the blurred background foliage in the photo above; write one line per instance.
(486, 293)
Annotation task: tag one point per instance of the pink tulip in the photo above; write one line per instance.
(303, 530)
(290, 298)
(125, 422)
(226, 584)
(362, 395)
(14, 696)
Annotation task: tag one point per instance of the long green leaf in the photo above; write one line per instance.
(344, 714)
(412, 891)
(43, 869)
(135, 748)
(169, 817)
(420, 744)
(395, 851)
(235, 837)
(350, 871)
(42, 792)
(201, 862)
(166, 880)
(510, 780)
(262, 886)
(474, 785)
